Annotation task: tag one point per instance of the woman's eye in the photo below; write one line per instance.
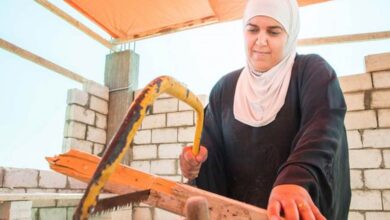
(251, 29)
(274, 33)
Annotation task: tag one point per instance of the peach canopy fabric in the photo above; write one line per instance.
(127, 20)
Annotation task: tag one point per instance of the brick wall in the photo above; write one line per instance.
(368, 128)
(86, 118)
(15, 181)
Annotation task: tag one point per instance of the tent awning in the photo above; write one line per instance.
(127, 20)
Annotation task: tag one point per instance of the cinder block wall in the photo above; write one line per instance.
(86, 118)
(15, 180)
(368, 128)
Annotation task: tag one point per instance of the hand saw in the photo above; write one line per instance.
(117, 202)
(122, 139)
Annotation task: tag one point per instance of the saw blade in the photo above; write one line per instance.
(116, 202)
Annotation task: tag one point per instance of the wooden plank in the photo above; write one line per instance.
(41, 61)
(57, 11)
(165, 194)
(344, 38)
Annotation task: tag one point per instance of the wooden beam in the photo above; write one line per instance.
(41, 61)
(165, 194)
(344, 38)
(57, 11)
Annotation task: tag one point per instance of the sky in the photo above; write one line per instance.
(33, 99)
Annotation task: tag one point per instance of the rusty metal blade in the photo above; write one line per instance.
(114, 203)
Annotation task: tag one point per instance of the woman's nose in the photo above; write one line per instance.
(261, 39)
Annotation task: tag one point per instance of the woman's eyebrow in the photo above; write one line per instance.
(275, 27)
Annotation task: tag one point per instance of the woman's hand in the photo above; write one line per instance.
(189, 163)
(295, 202)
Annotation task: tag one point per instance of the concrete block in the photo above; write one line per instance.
(14, 177)
(50, 203)
(377, 179)
(70, 190)
(163, 167)
(96, 135)
(354, 101)
(16, 210)
(141, 165)
(40, 190)
(377, 62)
(98, 149)
(67, 202)
(73, 143)
(102, 216)
(101, 121)
(380, 99)
(70, 212)
(143, 137)
(366, 200)
(378, 138)
(142, 152)
(169, 151)
(356, 179)
(76, 96)
(80, 114)
(355, 216)
(96, 89)
(76, 184)
(160, 214)
(98, 105)
(362, 159)
(143, 213)
(377, 215)
(384, 118)
(180, 119)
(75, 130)
(386, 199)
(12, 190)
(186, 134)
(164, 135)
(50, 179)
(355, 83)
(34, 214)
(386, 157)
(45, 202)
(53, 213)
(354, 139)
(381, 79)
(165, 105)
(184, 106)
(122, 214)
(154, 121)
(360, 120)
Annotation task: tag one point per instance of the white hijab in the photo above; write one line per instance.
(259, 96)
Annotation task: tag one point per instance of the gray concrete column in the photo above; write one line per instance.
(121, 77)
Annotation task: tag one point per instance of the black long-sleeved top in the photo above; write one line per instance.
(305, 145)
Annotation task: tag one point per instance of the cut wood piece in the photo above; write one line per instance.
(165, 194)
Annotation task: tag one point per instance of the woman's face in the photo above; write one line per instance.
(265, 41)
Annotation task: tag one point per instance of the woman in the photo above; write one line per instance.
(274, 134)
